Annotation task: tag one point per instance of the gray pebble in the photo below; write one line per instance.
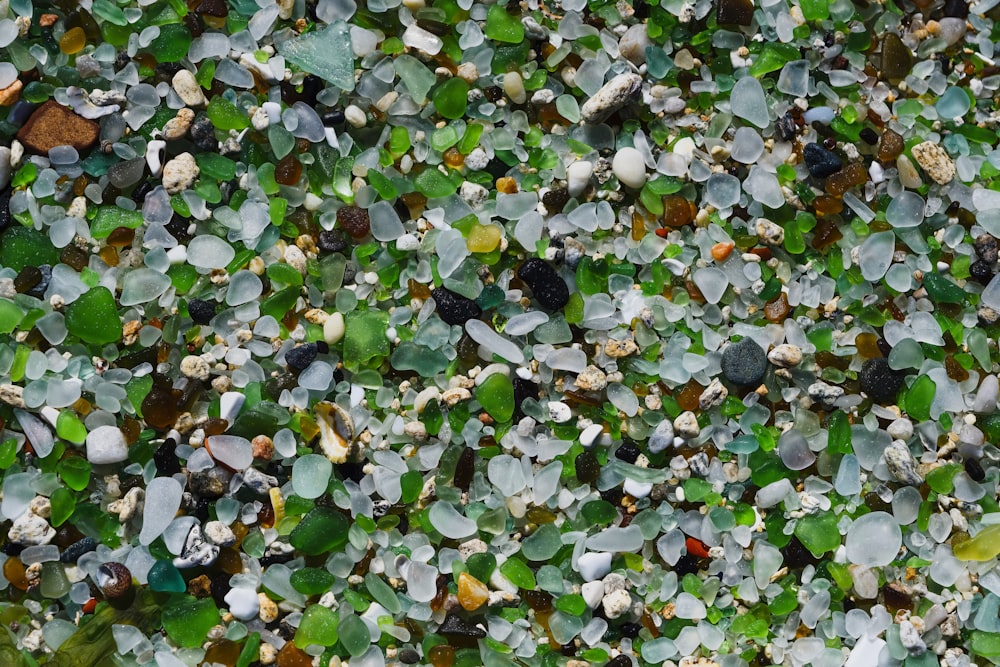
(611, 97)
(744, 363)
(901, 464)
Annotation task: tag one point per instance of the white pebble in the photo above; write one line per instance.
(629, 167)
(187, 89)
(594, 565)
(106, 444)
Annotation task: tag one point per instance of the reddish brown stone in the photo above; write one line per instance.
(54, 125)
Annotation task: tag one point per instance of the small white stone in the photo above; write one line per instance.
(333, 328)
(243, 603)
(629, 167)
(260, 119)
(355, 116)
(179, 173)
(901, 429)
(560, 413)
(513, 85)
(593, 593)
(616, 603)
(686, 425)
(177, 127)
(30, 530)
(785, 355)
(230, 404)
(187, 88)
(637, 489)
(578, 176)
(633, 43)
(933, 159)
(590, 434)
(468, 72)
(154, 156)
(611, 97)
(219, 534)
(295, 258)
(592, 565)
(193, 366)
(106, 444)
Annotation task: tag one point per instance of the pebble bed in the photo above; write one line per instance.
(434, 332)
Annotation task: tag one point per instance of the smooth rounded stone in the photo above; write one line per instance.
(548, 287)
(906, 210)
(744, 363)
(722, 190)
(748, 146)
(209, 252)
(188, 89)
(298, 358)
(879, 381)
(747, 101)
(513, 85)
(632, 45)
(593, 566)
(311, 475)
(243, 603)
(179, 173)
(794, 451)
(873, 540)
(143, 286)
(612, 96)
(661, 437)
(820, 162)
(454, 308)
(578, 177)
(201, 312)
(106, 444)
(629, 167)
(909, 177)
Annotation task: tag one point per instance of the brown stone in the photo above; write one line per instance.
(11, 93)
(54, 125)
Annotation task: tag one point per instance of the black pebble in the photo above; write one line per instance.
(974, 470)
(744, 363)
(820, 162)
(619, 661)
(166, 460)
(628, 452)
(549, 289)
(523, 389)
(201, 312)
(457, 627)
(77, 549)
(332, 118)
(300, 357)
(880, 382)
(203, 134)
(630, 630)
(454, 308)
(408, 656)
(981, 272)
(868, 136)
